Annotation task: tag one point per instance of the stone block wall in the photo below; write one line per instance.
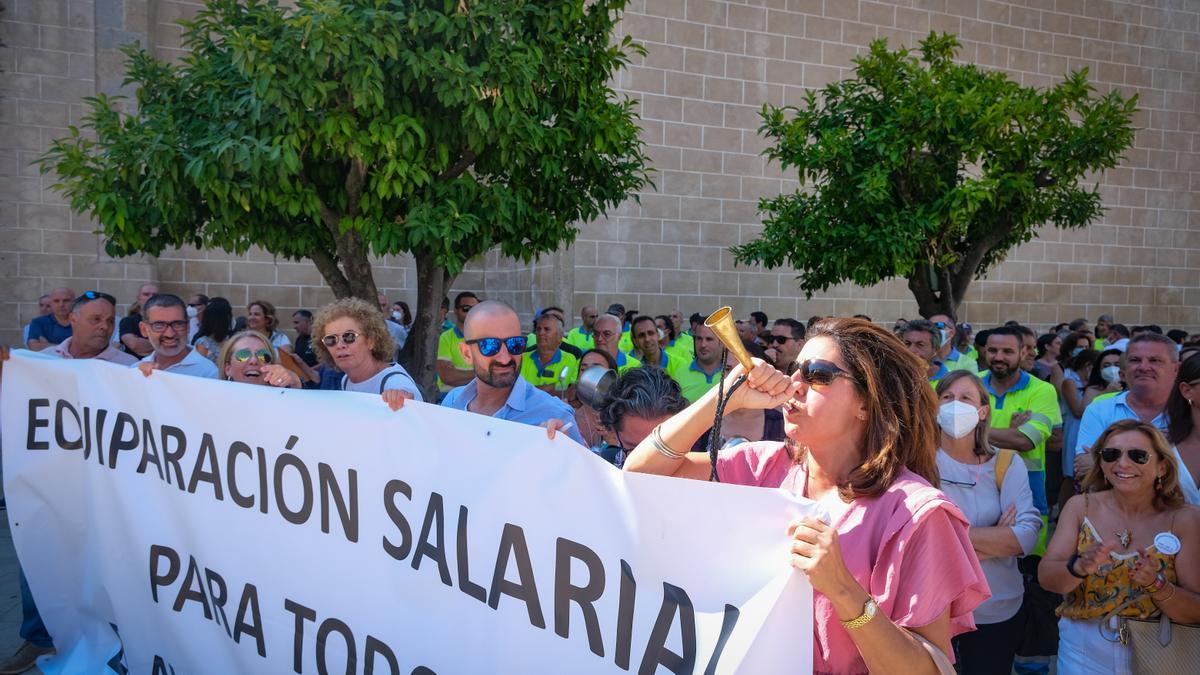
(710, 66)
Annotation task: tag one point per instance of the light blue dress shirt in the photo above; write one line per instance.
(526, 404)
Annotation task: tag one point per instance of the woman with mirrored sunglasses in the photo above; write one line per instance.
(1127, 548)
(892, 569)
(350, 335)
(250, 358)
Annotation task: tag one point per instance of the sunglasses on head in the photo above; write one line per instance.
(490, 346)
(348, 337)
(243, 355)
(1136, 455)
(97, 295)
(819, 373)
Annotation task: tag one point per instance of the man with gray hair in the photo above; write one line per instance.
(608, 339)
(165, 324)
(494, 346)
(1150, 365)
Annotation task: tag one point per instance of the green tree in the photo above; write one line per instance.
(931, 170)
(339, 129)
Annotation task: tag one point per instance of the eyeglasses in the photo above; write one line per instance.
(197, 304)
(490, 346)
(1136, 455)
(778, 339)
(348, 337)
(464, 308)
(819, 373)
(605, 333)
(160, 326)
(243, 355)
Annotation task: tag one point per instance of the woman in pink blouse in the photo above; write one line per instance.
(893, 572)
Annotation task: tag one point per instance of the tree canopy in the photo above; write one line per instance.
(338, 129)
(931, 170)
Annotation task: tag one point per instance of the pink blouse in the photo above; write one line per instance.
(908, 548)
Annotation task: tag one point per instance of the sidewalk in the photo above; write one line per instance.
(10, 593)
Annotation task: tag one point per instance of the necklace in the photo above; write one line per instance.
(1123, 536)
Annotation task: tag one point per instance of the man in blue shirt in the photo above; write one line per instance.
(494, 345)
(1150, 366)
(55, 327)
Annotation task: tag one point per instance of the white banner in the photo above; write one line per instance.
(172, 524)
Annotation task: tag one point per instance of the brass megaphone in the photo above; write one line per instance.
(721, 323)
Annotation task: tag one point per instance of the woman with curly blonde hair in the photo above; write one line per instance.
(350, 335)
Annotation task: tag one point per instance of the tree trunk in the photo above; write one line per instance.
(944, 300)
(348, 277)
(419, 355)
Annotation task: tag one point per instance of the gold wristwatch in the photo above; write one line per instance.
(863, 619)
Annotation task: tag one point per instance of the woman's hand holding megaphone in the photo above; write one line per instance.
(765, 387)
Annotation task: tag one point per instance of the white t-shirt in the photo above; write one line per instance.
(279, 340)
(392, 377)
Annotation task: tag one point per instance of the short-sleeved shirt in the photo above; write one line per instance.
(956, 360)
(194, 364)
(693, 380)
(1035, 396)
(526, 404)
(1102, 412)
(625, 361)
(448, 350)
(552, 372)
(130, 325)
(392, 377)
(580, 338)
(666, 360)
(304, 349)
(279, 340)
(909, 549)
(49, 329)
(111, 354)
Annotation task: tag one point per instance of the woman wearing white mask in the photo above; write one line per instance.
(991, 487)
(1106, 377)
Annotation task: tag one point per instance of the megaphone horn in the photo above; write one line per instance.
(721, 323)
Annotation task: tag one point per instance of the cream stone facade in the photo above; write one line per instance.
(710, 66)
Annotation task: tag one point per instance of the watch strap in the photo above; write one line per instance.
(868, 613)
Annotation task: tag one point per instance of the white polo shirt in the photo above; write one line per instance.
(193, 364)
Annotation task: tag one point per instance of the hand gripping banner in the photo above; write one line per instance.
(173, 524)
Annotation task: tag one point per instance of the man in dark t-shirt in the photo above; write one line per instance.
(130, 329)
(55, 327)
(302, 322)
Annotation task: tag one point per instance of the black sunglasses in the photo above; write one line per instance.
(243, 355)
(348, 337)
(778, 339)
(819, 373)
(1136, 455)
(490, 346)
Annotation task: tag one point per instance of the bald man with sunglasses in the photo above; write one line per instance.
(494, 345)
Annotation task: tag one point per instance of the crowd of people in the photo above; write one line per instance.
(987, 498)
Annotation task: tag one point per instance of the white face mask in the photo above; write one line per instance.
(398, 315)
(191, 312)
(1110, 373)
(957, 418)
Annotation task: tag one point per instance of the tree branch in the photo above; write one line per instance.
(328, 267)
(455, 170)
(355, 178)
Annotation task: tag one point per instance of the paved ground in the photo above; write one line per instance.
(10, 593)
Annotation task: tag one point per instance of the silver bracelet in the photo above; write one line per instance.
(661, 446)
